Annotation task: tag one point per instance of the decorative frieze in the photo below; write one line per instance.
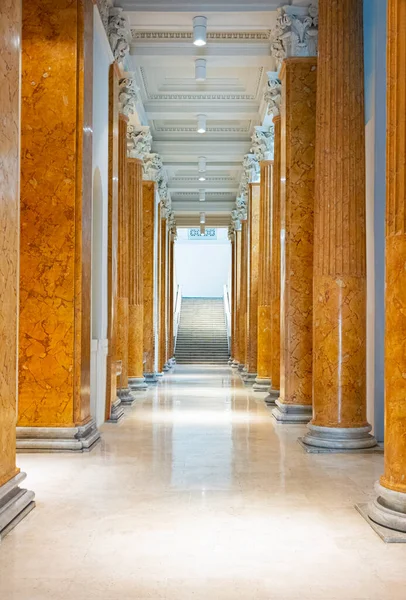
(119, 34)
(296, 32)
(273, 94)
(263, 141)
(139, 142)
(128, 94)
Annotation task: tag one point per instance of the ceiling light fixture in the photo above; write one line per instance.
(201, 123)
(202, 218)
(202, 164)
(202, 195)
(202, 178)
(202, 229)
(200, 70)
(200, 31)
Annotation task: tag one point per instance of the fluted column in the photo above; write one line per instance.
(123, 270)
(163, 257)
(251, 340)
(236, 317)
(263, 381)
(242, 316)
(298, 76)
(339, 330)
(14, 501)
(150, 248)
(389, 508)
(136, 378)
(275, 273)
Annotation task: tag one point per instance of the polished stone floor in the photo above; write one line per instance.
(199, 494)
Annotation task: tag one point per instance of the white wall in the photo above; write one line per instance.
(101, 64)
(202, 267)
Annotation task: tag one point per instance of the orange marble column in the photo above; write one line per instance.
(123, 269)
(298, 112)
(15, 502)
(114, 410)
(233, 293)
(149, 216)
(275, 273)
(163, 290)
(339, 329)
(251, 340)
(242, 313)
(236, 317)
(389, 508)
(56, 227)
(263, 381)
(136, 379)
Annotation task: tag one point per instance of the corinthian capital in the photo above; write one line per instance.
(119, 34)
(251, 168)
(296, 32)
(139, 141)
(153, 167)
(128, 94)
(273, 94)
(263, 142)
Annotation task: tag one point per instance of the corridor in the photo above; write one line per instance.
(199, 494)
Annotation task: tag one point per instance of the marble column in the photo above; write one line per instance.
(275, 272)
(339, 327)
(236, 317)
(163, 257)
(15, 502)
(136, 379)
(123, 268)
(242, 312)
(232, 295)
(389, 508)
(298, 112)
(114, 410)
(263, 380)
(251, 340)
(150, 248)
(56, 227)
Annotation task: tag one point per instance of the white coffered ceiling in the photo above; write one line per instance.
(238, 58)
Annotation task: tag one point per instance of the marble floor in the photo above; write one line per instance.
(199, 494)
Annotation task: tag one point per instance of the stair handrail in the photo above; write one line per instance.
(227, 312)
(176, 317)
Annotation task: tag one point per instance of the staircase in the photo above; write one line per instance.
(202, 334)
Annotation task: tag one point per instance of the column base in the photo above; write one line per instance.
(272, 397)
(15, 504)
(235, 364)
(241, 368)
(167, 367)
(249, 378)
(58, 439)
(388, 509)
(151, 378)
(116, 412)
(230, 361)
(339, 438)
(261, 385)
(137, 384)
(126, 397)
(292, 413)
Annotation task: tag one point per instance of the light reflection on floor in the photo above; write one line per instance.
(198, 494)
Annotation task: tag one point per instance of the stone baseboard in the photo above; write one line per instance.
(58, 439)
(15, 504)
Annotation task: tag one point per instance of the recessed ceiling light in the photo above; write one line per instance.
(202, 196)
(200, 70)
(201, 123)
(202, 178)
(200, 31)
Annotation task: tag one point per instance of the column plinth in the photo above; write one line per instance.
(339, 328)
(298, 133)
(389, 508)
(264, 363)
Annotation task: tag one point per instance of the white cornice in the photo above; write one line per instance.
(187, 36)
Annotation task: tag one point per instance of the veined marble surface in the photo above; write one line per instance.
(199, 494)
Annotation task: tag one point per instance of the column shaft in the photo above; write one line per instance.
(242, 317)
(251, 340)
(298, 111)
(236, 318)
(233, 298)
(149, 277)
(56, 226)
(163, 257)
(276, 269)
(264, 283)
(135, 292)
(14, 502)
(389, 508)
(339, 330)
